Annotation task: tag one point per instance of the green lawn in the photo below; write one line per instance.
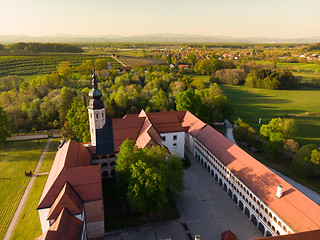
(251, 104)
(49, 157)
(29, 216)
(15, 159)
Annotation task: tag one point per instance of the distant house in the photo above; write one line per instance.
(181, 66)
(125, 69)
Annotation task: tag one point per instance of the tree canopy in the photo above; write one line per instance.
(306, 162)
(277, 131)
(78, 121)
(148, 176)
(44, 47)
(5, 127)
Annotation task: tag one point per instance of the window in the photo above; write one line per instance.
(97, 115)
(174, 145)
(163, 138)
(175, 137)
(102, 114)
(90, 115)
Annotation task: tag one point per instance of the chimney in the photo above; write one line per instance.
(279, 191)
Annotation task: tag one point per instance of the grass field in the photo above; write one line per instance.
(251, 104)
(49, 157)
(29, 216)
(15, 159)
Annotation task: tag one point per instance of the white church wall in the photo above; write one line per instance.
(43, 214)
(174, 142)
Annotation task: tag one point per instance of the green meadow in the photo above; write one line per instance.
(251, 104)
(29, 215)
(15, 159)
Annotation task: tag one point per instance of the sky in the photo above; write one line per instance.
(233, 18)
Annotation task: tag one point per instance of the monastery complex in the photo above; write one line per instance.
(71, 205)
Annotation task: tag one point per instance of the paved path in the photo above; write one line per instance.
(123, 64)
(229, 131)
(22, 202)
(314, 196)
(205, 210)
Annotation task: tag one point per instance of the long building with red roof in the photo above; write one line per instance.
(73, 193)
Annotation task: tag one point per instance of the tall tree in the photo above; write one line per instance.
(5, 127)
(146, 176)
(66, 98)
(79, 122)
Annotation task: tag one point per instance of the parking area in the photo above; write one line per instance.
(205, 209)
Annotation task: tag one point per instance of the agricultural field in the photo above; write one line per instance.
(251, 104)
(43, 64)
(140, 62)
(15, 159)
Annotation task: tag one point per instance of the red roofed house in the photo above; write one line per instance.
(73, 195)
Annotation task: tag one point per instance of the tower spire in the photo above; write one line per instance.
(96, 109)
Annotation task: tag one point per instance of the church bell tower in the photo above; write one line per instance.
(96, 110)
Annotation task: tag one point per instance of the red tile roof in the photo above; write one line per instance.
(67, 199)
(124, 128)
(309, 235)
(72, 164)
(165, 122)
(191, 123)
(66, 227)
(86, 181)
(294, 208)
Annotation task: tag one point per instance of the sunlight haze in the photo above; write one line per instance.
(247, 18)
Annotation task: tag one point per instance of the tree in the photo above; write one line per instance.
(190, 101)
(66, 98)
(244, 132)
(64, 70)
(276, 132)
(86, 67)
(78, 120)
(192, 58)
(5, 127)
(147, 176)
(306, 161)
(100, 64)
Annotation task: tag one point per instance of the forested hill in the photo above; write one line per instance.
(44, 47)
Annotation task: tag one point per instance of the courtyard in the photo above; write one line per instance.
(205, 210)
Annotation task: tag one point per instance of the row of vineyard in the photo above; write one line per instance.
(43, 64)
